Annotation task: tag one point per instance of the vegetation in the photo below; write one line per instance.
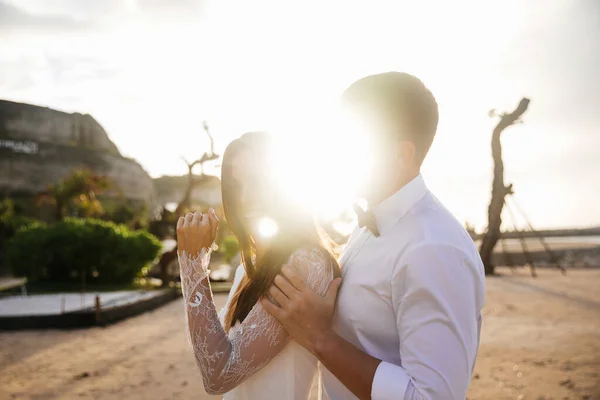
(126, 213)
(80, 250)
(77, 194)
(10, 223)
(229, 247)
(92, 241)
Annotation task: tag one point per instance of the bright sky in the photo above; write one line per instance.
(151, 71)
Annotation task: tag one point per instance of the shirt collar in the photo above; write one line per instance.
(389, 211)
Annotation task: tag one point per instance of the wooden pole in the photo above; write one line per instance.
(97, 308)
(553, 258)
(528, 258)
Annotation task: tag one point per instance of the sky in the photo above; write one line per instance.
(151, 71)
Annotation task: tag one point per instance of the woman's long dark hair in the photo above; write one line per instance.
(297, 229)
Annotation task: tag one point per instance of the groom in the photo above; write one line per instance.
(408, 315)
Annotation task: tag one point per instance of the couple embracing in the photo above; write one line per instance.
(397, 316)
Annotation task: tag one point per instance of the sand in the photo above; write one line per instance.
(540, 340)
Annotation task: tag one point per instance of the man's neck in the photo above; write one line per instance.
(389, 190)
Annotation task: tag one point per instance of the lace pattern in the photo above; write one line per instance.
(225, 361)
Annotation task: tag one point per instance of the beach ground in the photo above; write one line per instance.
(540, 340)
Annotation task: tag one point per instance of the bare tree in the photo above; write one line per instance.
(185, 202)
(499, 189)
(194, 180)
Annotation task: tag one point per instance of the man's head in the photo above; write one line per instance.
(401, 116)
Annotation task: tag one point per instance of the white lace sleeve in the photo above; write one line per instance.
(225, 362)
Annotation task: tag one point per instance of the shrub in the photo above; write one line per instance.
(103, 251)
(229, 248)
(10, 223)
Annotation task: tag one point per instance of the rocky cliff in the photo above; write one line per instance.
(40, 146)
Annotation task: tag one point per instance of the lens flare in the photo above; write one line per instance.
(266, 227)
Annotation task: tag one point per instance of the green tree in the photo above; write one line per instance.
(77, 194)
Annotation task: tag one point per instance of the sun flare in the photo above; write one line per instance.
(322, 168)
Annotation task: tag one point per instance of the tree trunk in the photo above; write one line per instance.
(499, 189)
(185, 202)
(59, 212)
(163, 264)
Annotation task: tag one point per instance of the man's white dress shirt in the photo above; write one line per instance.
(412, 297)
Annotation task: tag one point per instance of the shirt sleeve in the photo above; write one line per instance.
(434, 295)
(226, 361)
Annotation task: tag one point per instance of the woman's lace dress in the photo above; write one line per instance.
(256, 360)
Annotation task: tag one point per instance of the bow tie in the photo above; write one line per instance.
(366, 218)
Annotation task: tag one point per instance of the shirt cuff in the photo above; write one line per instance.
(390, 382)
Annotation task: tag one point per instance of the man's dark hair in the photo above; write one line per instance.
(399, 106)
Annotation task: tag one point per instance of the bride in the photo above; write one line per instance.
(246, 353)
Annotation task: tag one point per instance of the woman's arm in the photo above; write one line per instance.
(226, 362)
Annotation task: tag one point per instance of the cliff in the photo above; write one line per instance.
(40, 146)
(23, 122)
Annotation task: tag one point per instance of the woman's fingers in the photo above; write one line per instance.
(214, 223)
(196, 218)
(212, 211)
(200, 228)
(204, 231)
(180, 233)
(205, 222)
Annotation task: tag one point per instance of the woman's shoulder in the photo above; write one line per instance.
(314, 264)
(313, 253)
(310, 257)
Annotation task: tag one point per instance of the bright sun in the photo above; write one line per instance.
(323, 167)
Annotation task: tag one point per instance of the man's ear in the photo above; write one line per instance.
(406, 152)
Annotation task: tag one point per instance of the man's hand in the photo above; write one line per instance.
(307, 318)
(303, 313)
(196, 231)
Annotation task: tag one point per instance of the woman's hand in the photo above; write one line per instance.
(196, 231)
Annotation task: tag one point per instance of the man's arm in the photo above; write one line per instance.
(433, 291)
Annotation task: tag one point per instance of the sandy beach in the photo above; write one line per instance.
(540, 340)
